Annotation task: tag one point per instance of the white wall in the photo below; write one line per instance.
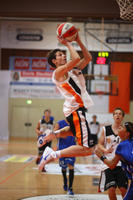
(4, 90)
(0, 44)
(94, 33)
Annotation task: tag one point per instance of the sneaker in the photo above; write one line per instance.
(44, 170)
(65, 187)
(48, 155)
(70, 192)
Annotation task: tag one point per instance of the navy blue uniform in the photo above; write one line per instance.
(64, 143)
(125, 150)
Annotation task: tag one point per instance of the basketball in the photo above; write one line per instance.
(67, 31)
(40, 141)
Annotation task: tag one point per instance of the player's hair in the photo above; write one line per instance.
(47, 110)
(118, 108)
(51, 56)
(129, 128)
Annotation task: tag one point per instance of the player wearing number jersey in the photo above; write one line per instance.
(108, 142)
(123, 153)
(45, 124)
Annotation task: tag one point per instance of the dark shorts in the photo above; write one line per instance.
(113, 178)
(41, 149)
(94, 137)
(63, 162)
(80, 128)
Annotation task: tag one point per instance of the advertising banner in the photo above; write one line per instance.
(32, 84)
(31, 77)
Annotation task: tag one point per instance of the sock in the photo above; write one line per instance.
(58, 154)
(64, 176)
(55, 154)
(71, 178)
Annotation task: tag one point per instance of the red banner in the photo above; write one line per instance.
(22, 64)
(39, 64)
(123, 71)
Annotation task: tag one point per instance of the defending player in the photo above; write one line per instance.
(66, 162)
(123, 153)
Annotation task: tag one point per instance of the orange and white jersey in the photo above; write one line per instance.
(74, 91)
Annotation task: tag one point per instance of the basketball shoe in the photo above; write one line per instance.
(65, 187)
(70, 192)
(48, 155)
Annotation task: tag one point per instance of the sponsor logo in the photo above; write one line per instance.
(29, 37)
(119, 40)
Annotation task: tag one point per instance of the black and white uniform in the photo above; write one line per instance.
(116, 177)
(43, 127)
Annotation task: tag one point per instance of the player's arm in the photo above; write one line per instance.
(110, 163)
(75, 58)
(101, 142)
(87, 57)
(59, 133)
(37, 129)
(98, 129)
(63, 133)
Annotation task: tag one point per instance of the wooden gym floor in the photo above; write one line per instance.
(19, 177)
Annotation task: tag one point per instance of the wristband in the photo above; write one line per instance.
(56, 132)
(103, 158)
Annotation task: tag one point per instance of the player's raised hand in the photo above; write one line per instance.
(62, 40)
(77, 38)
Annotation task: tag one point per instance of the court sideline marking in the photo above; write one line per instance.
(16, 172)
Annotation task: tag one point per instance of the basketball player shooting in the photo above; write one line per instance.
(69, 80)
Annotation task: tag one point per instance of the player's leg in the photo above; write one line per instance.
(72, 151)
(122, 180)
(63, 166)
(41, 150)
(71, 175)
(79, 127)
(38, 159)
(75, 151)
(64, 174)
(112, 193)
(123, 191)
(107, 183)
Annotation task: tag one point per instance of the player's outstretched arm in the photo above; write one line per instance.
(87, 57)
(110, 163)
